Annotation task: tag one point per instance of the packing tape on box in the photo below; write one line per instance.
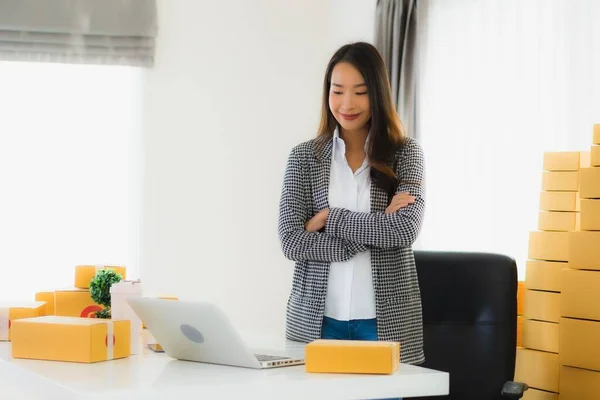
(4, 311)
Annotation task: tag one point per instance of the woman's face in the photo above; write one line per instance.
(348, 97)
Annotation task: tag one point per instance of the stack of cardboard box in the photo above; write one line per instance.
(538, 358)
(580, 295)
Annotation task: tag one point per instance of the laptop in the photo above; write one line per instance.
(201, 332)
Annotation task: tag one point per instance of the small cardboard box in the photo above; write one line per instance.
(84, 340)
(595, 156)
(580, 297)
(579, 384)
(352, 356)
(549, 246)
(559, 201)
(562, 221)
(544, 275)
(48, 298)
(580, 343)
(590, 183)
(538, 369)
(560, 181)
(584, 250)
(566, 160)
(542, 306)
(12, 311)
(75, 303)
(590, 215)
(85, 273)
(539, 335)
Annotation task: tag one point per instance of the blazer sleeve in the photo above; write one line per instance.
(298, 244)
(382, 230)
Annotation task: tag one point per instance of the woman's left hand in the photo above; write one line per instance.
(317, 222)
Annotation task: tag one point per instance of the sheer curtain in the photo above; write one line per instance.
(501, 82)
(68, 173)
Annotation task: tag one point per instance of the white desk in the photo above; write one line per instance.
(152, 376)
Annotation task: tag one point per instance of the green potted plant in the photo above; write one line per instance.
(100, 290)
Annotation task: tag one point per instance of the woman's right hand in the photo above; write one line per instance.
(399, 201)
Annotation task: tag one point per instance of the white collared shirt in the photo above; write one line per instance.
(350, 293)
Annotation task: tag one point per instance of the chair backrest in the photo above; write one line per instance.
(470, 317)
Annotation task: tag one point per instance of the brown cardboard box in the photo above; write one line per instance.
(559, 201)
(566, 160)
(549, 246)
(520, 320)
(561, 181)
(579, 384)
(590, 183)
(534, 394)
(544, 275)
(590, 215)
(580, 343)
(520, 298)
(584, 250)
(558, 221)
(596, 139)
(538, 369)
(595, 156)
(540, 335)
(542, 306)
(580, 297)
(48, 298)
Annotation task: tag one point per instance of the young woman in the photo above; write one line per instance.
(351, 207)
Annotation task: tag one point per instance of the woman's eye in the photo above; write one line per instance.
(334, 92)
(361, 93)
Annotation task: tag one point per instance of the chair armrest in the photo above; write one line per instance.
(514, 390)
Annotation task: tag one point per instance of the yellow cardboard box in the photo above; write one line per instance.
(580, 343)
(538, 369)
(83, 340)
(12, 311)
(558, 221)
(580, 297)
(579, 384)
(560, 181)
(595, 156)
(566, 160)
(549, 246)
(559, 201)
(85, 273)
(74, 303)
(542, 306)
(539, 335)
(584, 250)
(544, 275)
(48, 298)
(590, 215)
(590, 183)
(596, 139)
(352, 356)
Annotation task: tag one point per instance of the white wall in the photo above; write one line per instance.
(236, 85)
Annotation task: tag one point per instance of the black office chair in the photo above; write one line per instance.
(470, 322)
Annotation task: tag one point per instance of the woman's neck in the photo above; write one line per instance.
(354, 140)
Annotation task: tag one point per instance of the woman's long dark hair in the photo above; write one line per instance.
(386, 133)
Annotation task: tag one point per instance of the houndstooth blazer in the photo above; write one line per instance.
(388, 236)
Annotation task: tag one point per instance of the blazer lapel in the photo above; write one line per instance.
(321, 191)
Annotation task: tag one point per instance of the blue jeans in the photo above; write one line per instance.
(356, 329)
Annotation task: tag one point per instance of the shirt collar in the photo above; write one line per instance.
(339, 146)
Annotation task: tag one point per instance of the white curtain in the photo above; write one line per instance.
(501, 82)
(68, 173)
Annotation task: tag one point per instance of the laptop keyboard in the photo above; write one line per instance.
(262, 357)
